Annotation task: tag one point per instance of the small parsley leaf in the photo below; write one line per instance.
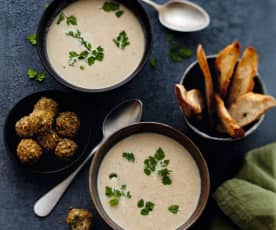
(71, 20)
(173, 208)
(32, 39)
(140, 203)
(129, 156)
(153, 62)
(32, 74)
(113, 175)
(61, 17)
(121, 41)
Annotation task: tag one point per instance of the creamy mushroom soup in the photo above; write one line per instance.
(149, 181)
(93, 45)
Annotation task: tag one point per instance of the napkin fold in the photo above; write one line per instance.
(249, 199)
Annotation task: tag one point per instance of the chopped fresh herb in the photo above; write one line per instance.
(113, 175)
(159, 154)
(128, 195)
(158, 162)
(153, 62)
(40, 77)
(140, 203)
(114, 202)
(119, 13)
(110, 6)
(121, 41)
(61, 17)
(145, 207)
(173, 208)
(177, 52)
(123, 187)
(116, 194)
(46, 5)
(32, 74)
(32, 39)
(129, 156)
(82, 67)
(89, 56)
(108, 191)
(71, 20)
(149, 205)
(144, 212)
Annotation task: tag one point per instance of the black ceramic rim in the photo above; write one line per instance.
(215, 138)
(42, 29)
(162, 129)
(10, 152)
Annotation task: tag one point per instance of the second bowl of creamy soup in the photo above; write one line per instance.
(149, 176)
(94, 45)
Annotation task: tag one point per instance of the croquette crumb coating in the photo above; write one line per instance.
(46, 120)
(28, 151)
(46, 104)
(48, 141)
(27, 126)
(65, 149)
(67, 124)
(79, 219)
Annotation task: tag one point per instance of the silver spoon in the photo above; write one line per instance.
(126, 113)
(181, 15)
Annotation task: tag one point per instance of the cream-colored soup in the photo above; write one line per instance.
(183, 191)
(99, 28)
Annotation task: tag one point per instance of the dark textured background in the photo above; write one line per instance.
(252, 22)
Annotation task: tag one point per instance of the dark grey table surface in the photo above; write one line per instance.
(252, 22)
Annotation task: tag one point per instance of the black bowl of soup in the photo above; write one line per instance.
(94, 46)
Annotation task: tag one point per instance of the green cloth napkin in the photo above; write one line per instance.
(249, 200)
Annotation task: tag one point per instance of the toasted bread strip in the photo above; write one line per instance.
(190, 102)
(225, 64)
(227, 122)
(250, 107)
(209, 88)
(243, 80)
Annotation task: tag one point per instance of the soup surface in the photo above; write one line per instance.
(180, 196)
(99, 28)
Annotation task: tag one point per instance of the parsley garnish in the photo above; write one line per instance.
(113, 6)
(178, 53)
(153, 62)
(32, 39)
(129, 156)
(116, 194)
(88, 55)
(70, 20)
(140, 203)
(121, 40)
(32, 74)
(157, 162)
(146, 208)
(173, 208)
(113, 175)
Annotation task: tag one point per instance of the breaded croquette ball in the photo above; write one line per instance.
(67, 124)
(79, 219)
(28, 151)
(46, 104)
(66, 148)
(49, 140)
(46, 120)
(27, 126)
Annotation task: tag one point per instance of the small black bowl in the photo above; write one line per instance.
(56, 7)
(150, 127)
(194, 79)
(49, 163)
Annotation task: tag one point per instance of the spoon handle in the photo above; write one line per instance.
(152, 4)
(48, 201)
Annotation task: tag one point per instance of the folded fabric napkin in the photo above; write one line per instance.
(249, 200)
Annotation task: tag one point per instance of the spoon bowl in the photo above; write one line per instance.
(181, 15)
